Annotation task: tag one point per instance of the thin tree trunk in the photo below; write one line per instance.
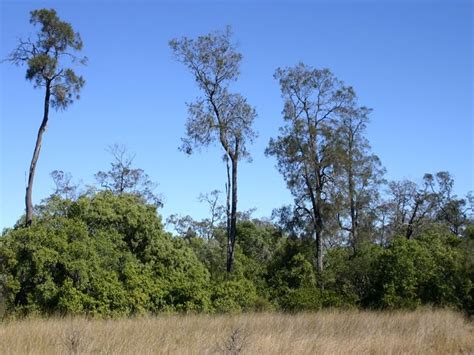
(409, 231)
(354, 226)
(228, 209)
(319, 245)
(318, 221)
(34, 160)
(233, 218)
(316, 203)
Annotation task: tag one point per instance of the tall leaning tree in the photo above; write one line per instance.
(306, 147)
(218, 115)
(49, 57)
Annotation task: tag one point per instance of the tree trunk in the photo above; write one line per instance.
(34, 160)
(319, 247)
(409, 231)
(353, 232)
(228, 209)
(319, 233)
(316, 203)
(233, 218)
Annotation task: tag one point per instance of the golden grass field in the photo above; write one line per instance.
(329, 332)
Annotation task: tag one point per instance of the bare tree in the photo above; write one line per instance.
(64, 187)
(450, 210)
(124, 178)
(48, 58)
(219, 115)
(216, 212)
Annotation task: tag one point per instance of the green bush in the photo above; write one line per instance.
(100, 255)
(234, 296)
(292, 280)
(108, 255)
(426, 270)
(350, 278)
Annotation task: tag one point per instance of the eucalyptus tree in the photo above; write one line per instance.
(48, 58)
(218, 115)
(358, 175)
(305, 149)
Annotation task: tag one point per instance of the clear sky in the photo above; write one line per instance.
(412, 62)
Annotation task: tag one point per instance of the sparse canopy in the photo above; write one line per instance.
(124, 178)
(64, 187)
(49, 56)
(413, 208)
(219, 115)
(358, 176)
(305, 149)
(48, 59)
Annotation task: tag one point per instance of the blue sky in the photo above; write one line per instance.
(412, 62)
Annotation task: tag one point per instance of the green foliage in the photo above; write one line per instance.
(349, 279)
(234, 296)
(100, 255)
(292, 279)
(48, 58)
(257, 240)
(426, 270)
(107, 255)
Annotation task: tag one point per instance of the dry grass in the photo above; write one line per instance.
(423, 331)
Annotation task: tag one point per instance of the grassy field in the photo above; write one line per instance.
(423, 331)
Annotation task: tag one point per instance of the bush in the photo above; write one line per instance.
(108, 255)
(350, 278)
(426, 270)
(292, 279)
(99, 255)
(234, 296)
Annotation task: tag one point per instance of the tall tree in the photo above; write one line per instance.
(358, 175)
(305, 150)
(219, 115)
(48, 58)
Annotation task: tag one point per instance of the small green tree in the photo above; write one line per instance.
(48, 59)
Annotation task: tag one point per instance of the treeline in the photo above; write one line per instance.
(350, 239)
(107, 254)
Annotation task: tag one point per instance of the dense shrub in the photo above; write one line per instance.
(426, 270)
(292, 279)
(104, 254)
(234, 296)
(349, 277)
(108, 255)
